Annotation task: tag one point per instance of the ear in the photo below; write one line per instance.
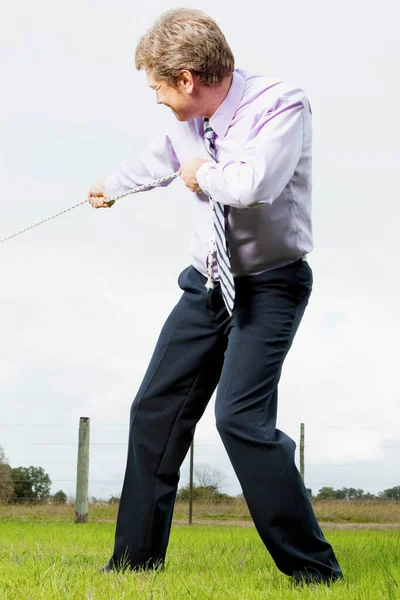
(186, 81)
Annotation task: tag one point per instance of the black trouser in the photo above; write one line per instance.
(198, 348)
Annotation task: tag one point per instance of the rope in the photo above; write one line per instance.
(109, 203)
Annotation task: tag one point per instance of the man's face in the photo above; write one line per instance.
(176, 98)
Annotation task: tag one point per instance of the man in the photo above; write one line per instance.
(241, 143)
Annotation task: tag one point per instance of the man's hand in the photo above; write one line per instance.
(97, 196)
(188, 171)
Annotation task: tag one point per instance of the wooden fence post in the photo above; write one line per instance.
(191, 483)
(82, 476)
(302, 434)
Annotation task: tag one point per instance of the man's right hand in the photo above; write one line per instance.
(97, 196)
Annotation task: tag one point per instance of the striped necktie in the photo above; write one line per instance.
(219, 244)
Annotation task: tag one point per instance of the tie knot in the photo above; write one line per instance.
(208, 130)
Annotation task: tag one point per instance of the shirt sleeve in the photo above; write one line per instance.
(262, 169)
(156, 161)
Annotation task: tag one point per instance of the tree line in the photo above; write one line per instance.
(32, 484)
(208, 482)
(328, 493)
(26, 484)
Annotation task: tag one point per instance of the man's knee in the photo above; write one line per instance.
(134, 409)
(235, 424)
(228, 423)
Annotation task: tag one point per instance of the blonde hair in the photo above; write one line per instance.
(185, 38)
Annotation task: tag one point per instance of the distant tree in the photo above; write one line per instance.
(327, 493)
(60, 497)
(207, 483)
(30, 484)
(391, 494)
(206, 476)
(352, 493)
(369, 496)
(23, 491)
(208, 493)
(114, 500)
(6, 480)
(309, 492)
(3, 459)
(340, 494)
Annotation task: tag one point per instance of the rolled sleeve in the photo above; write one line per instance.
(202, 176)
(156, 161)
(112, 185)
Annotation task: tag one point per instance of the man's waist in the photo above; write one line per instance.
(201, 266)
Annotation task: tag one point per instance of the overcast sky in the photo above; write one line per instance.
(83, 298)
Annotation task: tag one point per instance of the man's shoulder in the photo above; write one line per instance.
(267, 90)
(253, 79)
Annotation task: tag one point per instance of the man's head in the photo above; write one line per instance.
(188, 62)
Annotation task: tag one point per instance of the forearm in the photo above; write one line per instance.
(237, 183)
(156, 161)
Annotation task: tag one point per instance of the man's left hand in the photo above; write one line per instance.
(188, 171)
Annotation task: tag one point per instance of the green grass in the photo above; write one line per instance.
(56, 559)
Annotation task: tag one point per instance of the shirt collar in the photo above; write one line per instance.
(223, 116)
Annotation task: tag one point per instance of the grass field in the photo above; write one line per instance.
(45, 556)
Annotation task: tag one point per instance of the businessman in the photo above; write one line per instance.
(241, 143)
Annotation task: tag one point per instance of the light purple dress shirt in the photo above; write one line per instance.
(262, 171)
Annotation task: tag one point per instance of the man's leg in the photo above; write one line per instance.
(181, 377)
(269, 309)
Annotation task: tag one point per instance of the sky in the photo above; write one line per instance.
(84, 296)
